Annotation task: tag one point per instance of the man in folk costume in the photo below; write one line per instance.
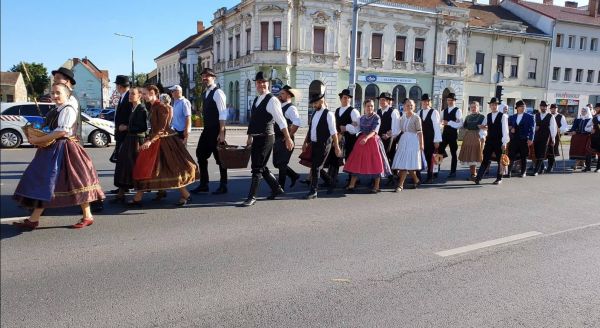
(322, 133)
(432, 135)
(496, 124)
(389, 117)
(544, 136)
(522, 126)
(214, 112)
(452, 121)
(266, 110)
(553, 149)
(123, 110)
(281, 155)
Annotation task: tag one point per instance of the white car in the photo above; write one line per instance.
(13, 116)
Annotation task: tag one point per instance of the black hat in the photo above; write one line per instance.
(66, 72)
(260, 76)
(425, 96)
(288, 89)
(597, 105)
(451, 96)
(208, 71)
(519, 103)
(316, 97)
(345, 92)
(385, 95)
(554, 106)
(494, 100)
(543, 103)
(122, 80)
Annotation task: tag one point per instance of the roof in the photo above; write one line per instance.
(100, 74)
(184, 44)
(9, 78)
(203, 43)
(487, 16)
(423, 3)
(572, 15)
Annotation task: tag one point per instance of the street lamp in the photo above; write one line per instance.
(132, 69)
(355, 9)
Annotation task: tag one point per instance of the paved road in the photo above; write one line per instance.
(339, 261)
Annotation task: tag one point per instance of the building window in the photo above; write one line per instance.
(248, 41)
(319, 40)
(237, 46)
(590, 76)
(567, 74)
(571, 44)
(532, 68)
(559, 40)
(419, 49)
(579, 75)
(276, 35)
(451, 57)
(594, 44)
(358, 43)
(230, 48)
(218, 51)
(500, 64)
(514, 67)
(376, 46)
(400, 48)
(479, 59)
(582, 43)
(556, 74)
(264, 36)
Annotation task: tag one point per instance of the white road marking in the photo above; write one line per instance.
(13, 219)
(489, 243)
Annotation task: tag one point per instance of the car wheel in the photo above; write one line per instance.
(99, 138)
(10, 138)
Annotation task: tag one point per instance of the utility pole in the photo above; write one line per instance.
(355, 9)
(132, 65)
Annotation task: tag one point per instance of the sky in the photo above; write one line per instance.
(52, 31)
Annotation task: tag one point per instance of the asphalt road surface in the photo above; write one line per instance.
(453, 254)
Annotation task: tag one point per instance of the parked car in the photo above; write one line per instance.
(107, 114)
(13, 116)
(93, 112)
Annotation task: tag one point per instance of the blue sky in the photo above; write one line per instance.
(52, 31)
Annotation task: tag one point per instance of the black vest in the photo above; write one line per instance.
(428, 132)
(596, 124)
(494, 128)
(543, 133)
(386, 121)
(343, 119)
(558, 119)
(261, 121)
(323, 134)
(51, 119)
(210, 111)
(278, 133)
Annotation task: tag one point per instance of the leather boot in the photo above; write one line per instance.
(276, 189)
(282, 175)
(253, 189)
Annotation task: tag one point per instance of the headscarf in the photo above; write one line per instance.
(587, 115)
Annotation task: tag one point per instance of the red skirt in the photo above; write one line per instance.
(365, 159)
(580, 146)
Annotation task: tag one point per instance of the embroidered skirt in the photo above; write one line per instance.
(368, 159)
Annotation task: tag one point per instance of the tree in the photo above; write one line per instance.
(198, 89)
(184, 81)
(39, 77)
(140, 79)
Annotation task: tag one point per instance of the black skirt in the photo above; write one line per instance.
(126, 157)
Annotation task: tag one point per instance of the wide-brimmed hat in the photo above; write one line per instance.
(289, 90)
(66, 72)
(317, 96)
(543, 103)
(122, 80)
(260, 76)
(553, 106)
(345, 92)
(451, 96)
(208, 71)
(494, 100)
(385, 95)
(425, 96)
(520, 103)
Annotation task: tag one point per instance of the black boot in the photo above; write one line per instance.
(550, 165)
(536, 168)
(333, 173)
(276, 189)
(221, 190)
(326, 178)
(588, 164)
(282, 175)
(293, 176)
(252, 193)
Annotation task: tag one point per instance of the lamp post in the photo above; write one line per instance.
(355, 9)
(132, 65)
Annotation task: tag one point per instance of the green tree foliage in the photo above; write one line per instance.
(39, 78)
(140, 79)
(198, 89)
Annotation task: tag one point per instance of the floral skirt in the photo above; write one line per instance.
(368, 159)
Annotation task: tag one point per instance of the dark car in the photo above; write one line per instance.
(107, 114)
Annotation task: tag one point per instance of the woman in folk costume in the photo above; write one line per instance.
(471, 151)
(61, 174)
(595, 137)
(580, 138)
(130, 145)
(408, 157)
(163, 162)
(368, 155)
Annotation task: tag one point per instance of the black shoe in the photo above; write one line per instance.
(497, 182)
(249, 202)
(452, 175)
(182, 201)
(477, 180)
(113, 192)
(275, 193)
(293, 182)
(97, 206)
(199, 189)
(587, 169)
(311, 194)
(221, 190)
(534, 174)
(160, 195)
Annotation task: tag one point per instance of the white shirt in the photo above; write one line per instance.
(563, 123)
(67, 117)
(435, 118)
(73, 102)
(505, 135)
(354, 116)
(315, 122)
(458, 123)
(395, 117)
(590, 125)
(519, 117)
(292, 114)
(220, 100)
(273, 108)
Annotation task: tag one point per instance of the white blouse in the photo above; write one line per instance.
(67, 117)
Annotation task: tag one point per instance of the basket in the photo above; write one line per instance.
(31, 131)
(234, 157)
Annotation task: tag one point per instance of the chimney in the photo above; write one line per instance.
(549, 2)
(75, 61)
(199, 26)
(570, 4)
(594, 8)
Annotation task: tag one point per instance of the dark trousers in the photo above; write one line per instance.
(281, 159)
(428, 151)
(180, 134)
(518, 149)
(207, 145)
(488, 150)
(320, 152)
(453, 143)
(261, 151)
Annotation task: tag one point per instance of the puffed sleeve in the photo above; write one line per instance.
(66, 119)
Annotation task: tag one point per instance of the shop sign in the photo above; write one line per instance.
(567, 102)
(386, 79)
(567, 96)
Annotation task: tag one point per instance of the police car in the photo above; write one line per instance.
(13, 116)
